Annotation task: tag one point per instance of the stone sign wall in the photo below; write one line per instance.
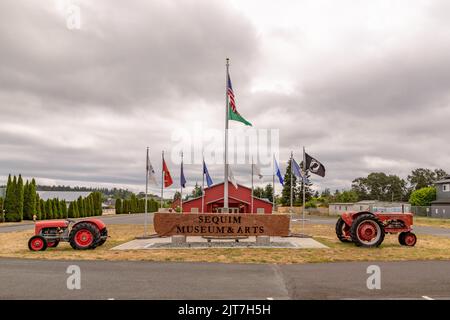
(215, 224)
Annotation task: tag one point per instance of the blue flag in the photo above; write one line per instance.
(297, 171)
(296, 168)
(278, 172)
(182, 177)
(209, 181)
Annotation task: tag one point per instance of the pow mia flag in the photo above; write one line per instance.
(314, 166)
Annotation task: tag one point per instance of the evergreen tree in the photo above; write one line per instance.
(197, 191)
(76, 213)
(19, 197)
(49, 209)
(29, 200)
(80, 207)
(43, 209)
(56, 212)
(1, 210)
(286, 192)
(63, 207)
(38, 206)
(70, 212)
(268, 192)
(91, 206)
(9, 195)
(118, 206)
(11, 208)
(26, 202)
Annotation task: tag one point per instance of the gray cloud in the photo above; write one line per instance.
(80, 106)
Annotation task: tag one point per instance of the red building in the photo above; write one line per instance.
(239, 201)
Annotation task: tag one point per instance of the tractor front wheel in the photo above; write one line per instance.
(367, 231)
(37, 243)
(84, 236)
(407, 239)
(341, 230)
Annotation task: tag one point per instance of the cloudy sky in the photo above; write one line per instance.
(363, 85)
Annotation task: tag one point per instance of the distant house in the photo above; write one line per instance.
(68, 196)
(368, 205)
(441, 206)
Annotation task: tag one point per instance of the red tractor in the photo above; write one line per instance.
(367, 229)
(82, 235)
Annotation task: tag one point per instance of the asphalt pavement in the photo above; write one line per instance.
(39, 279)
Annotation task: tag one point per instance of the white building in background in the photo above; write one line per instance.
(368, 205)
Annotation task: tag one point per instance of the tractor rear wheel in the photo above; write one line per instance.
(407, 239)
(84, 236)
(37, 243)
(341, 229)
(367, 231)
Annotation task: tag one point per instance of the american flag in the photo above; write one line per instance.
(231, 95)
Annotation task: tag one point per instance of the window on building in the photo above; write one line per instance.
(446, 187)
(339, 207)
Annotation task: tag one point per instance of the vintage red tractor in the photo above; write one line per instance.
(367, 229)
(82, 235)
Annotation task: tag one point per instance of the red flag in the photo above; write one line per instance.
(167, 178)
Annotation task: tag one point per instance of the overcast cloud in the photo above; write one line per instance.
(363, 85)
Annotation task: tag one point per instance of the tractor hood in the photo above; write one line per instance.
(50, 224)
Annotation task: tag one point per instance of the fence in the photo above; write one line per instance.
(421, 211)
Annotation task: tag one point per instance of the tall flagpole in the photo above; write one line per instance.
(225, 180)
(146, 193)
(252, 188)
(181, 186)
(292, 186)
(273, 183)
(203, 185)
(162, 178)
(304, 178)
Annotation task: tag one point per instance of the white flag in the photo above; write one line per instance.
(231, 176)
(151, 172)
(257, 171)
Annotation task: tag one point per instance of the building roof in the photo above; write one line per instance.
(69, 196)
(445, 180)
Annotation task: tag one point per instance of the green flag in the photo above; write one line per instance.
(233, 114)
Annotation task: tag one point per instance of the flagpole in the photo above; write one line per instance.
(292, 155)
(203, 185)
(146, 194)
(273, 183)
(225, 180)
(304, 178)
(162, 178)
(252, 188)
(181, 186)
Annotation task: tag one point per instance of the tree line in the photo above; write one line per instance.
(22, 202)
(135, 205)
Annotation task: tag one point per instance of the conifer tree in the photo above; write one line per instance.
(49, 209)
(19, 197)
(118, 206)
(286, 192)
(43, 209)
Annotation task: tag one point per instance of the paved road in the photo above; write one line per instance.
(37, 279)
(139, 219)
